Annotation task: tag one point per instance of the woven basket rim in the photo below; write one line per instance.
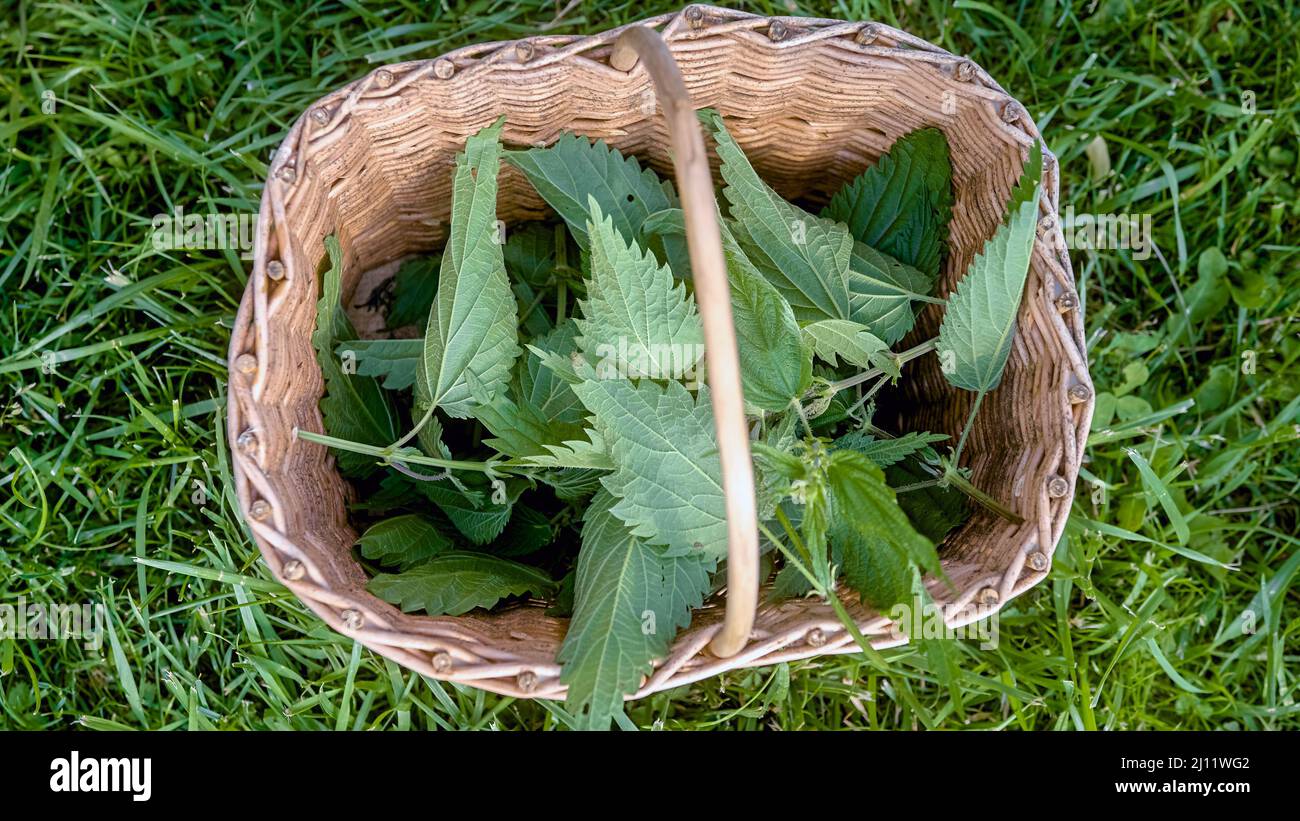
(436, 652)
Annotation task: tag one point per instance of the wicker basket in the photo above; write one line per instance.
(812, 102)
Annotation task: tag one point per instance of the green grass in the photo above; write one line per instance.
(112, 366)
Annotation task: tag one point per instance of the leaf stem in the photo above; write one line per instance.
(866, 397)
(953, 477)
(965, 431)
(790, 531)
(872, 654)
(424, 420)
(803, 417)
(561, 265)
(918, 485)
(389, 456)
(902, 358)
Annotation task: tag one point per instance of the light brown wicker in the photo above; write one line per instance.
(812, 102)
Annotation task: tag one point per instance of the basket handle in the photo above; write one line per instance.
(713, 295)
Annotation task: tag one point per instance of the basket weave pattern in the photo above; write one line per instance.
(812, 102)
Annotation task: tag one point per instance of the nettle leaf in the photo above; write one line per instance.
(396, 360)
(877, 571)
(562, 601)
(529, 253)
(832, 338)
(804, 256)
(980, 321)
(667, 476)
(789, 583)
(403, 541)
(574, 169)
(775, 366)
(353, 407)
(541, 387)
(528, 532)
(394, 491)
(881, 292)
(629, 602)
(540, 409)
(517, 430)
(572, 484)
(836, 411)
(933, 510)
(885, 452)
(473, 326)
(591, 453)
(429, 439)
(414, 287)
(479, 519)
(530, 257)
(902, 204)
(456, 583)
(868, 513)
(637, 321)
(668, 222)
(533, 319)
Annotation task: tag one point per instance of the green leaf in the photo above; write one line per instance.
(522, 430)
(902, 204)
(885, 452)
(1136, 375)
(790, 583)
(881, 292)
(530, 257)
(851, 340)
(429, 439)
(571, 484)
(1213, 393)
(868, 509)
(1157, 488)
(396, 360)
(394, 491)
(836, 410)
(528, 532)
(580, 454)
(530, 253)
(775, 366)
(473, 326)
(629, 602)
(478, 519)
(353, 407)
(876, 570)
(517, 430)
(539, 409)
(667, 476)
(980, 321)
(414, 287)
(403, 541)
(533, 319)
(574, 169)
(933, 510)
(1250, 286)
(541, 387)
(456, 583)
(1206, 298)
(637, 321)
(562, 602)
(668, 222)
(804, 256)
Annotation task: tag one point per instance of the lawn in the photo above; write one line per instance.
(1173, 598)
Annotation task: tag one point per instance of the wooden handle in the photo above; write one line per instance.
(713, 295)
